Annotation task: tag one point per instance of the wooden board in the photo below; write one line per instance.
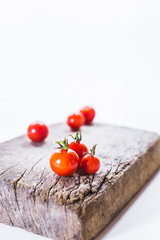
(79, 207)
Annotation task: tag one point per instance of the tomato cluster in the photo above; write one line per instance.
(85, 116)
(66, 160)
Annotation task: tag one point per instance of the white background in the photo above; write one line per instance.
(57, 56)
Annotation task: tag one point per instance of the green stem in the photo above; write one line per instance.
(63, 144)
(78, 137)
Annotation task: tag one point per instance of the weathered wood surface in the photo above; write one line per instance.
(79, 207)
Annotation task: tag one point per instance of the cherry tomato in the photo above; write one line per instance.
(89, 114)
(37, 131)
(64, 162)
(90, 164)
(77, 146)
(75, 121)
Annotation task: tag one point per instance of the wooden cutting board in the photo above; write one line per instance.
(78, 207)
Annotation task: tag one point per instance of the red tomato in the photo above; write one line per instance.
(89, 163)
(79, 148)
(37, 131)
(89, 114)
(75, 121)
(64, 162)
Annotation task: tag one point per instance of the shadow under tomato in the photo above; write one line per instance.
(28, 143)
(37, 144)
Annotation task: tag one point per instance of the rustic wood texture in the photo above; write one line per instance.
(79, 207)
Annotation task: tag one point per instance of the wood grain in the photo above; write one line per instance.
(79, 207)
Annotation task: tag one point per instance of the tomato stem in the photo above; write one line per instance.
(78, 137)
(63, 144)
(93, 150)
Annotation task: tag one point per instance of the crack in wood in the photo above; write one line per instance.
(15, 193)
(35, 165)
(8, 169)
(103, 180)
(33, 193)
(46, 199)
